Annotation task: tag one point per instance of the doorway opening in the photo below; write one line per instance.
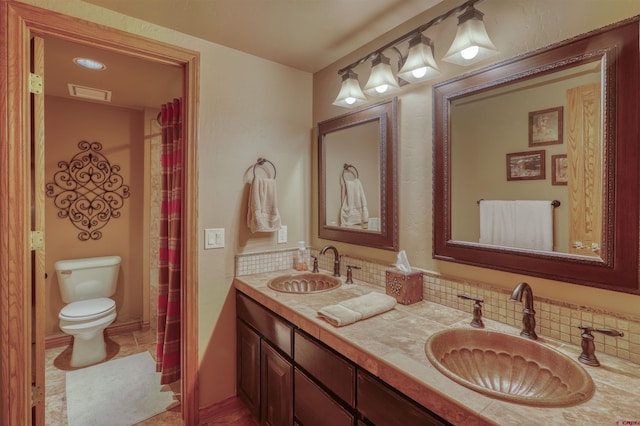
(21, 397)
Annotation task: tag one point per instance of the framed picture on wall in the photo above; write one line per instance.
(559, 172)
(528, 165)
(545, 127)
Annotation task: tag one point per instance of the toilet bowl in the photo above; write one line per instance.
(86, 285)
(86, 321)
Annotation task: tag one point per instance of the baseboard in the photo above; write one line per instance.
(113, 330)
(228, 411)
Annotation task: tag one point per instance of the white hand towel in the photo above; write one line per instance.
(356, 309)
(262, 213)
(497, 222)
(354, 209)
(534, 227)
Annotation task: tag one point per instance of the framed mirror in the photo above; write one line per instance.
(536, 162)
(357, 176)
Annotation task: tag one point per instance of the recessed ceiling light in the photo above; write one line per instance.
(90, 64)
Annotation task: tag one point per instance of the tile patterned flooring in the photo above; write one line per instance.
(57, 363)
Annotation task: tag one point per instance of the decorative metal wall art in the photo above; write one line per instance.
(88, 190)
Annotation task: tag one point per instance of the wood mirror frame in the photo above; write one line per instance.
(617, 268)
(385, 114)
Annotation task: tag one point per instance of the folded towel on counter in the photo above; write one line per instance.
(262, 214)
(354, 209)
(356, 309)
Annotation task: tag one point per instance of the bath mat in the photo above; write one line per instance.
(120, 392)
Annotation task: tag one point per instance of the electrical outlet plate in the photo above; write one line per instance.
(282, 234)
(213, 238)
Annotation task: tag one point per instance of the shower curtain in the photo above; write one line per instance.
(170, 274)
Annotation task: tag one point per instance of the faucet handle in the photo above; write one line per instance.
(315, 264)
(350, 273)
(477, 310)
(588, 355)
(587, 329)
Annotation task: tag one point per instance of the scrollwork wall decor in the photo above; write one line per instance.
(88, 190)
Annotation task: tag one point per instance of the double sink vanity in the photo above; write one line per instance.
(415, 364)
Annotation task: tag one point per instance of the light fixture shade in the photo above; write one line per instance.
(420, 64)
(350, 94)
(381, 81)
(472, 43)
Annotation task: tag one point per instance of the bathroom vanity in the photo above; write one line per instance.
(294, 368)
(286, 376)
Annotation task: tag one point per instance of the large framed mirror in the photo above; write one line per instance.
(536, 162)
(357, 176)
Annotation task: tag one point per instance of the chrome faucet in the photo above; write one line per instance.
(528, 313)
(336, 261)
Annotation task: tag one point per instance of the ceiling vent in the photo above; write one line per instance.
(89, 93)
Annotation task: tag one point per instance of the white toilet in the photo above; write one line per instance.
(86, 285)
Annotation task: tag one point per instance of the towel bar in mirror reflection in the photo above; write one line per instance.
(485, 115)
(362, 207)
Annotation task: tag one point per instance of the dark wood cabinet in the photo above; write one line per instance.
(276, 388)
(315, 407)
(248, 361)
(380, 404)
(335, 372)
(287, 377)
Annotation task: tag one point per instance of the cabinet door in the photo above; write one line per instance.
(248, 375)
(276, 388)
(381, 405)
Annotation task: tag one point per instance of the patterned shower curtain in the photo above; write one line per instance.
(170, 276)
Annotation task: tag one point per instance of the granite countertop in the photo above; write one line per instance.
(391, 346)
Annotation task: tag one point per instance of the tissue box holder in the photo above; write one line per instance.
(405, 287)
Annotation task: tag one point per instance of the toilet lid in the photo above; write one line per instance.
(85, 308)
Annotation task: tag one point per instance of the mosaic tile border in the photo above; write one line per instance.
(556, 319)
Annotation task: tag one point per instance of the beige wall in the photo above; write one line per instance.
(249, 107)
(120, 131)
(516, 26)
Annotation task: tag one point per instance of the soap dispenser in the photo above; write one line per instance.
(301, 258)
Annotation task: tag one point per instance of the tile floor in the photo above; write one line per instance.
(58, 363)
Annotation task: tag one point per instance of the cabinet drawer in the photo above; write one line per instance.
(381, 405)
(273, 328)
(329, 368)
(314, 407)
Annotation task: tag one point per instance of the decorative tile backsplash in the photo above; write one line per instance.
(556, 319)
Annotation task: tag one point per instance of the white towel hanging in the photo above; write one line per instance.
(526, 224)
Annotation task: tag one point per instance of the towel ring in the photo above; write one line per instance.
(261, 162)
(346, 168)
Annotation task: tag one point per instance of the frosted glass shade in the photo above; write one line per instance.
(472, 43)
(350, 94)
(381, 81)
(420, 64)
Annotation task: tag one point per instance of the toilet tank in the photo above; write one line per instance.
(88, 278)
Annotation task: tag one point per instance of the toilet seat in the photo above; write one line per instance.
(87, 309)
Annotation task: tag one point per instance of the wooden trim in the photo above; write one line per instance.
(17, 22)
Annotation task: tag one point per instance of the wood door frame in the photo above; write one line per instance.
(17, 22)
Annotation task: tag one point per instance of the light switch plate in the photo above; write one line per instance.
(213, 238)
(282, 234)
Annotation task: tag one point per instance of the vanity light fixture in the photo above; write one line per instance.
(381, 81)
(471, 44)
(91, 64)
(350, 93)
(420, 64)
